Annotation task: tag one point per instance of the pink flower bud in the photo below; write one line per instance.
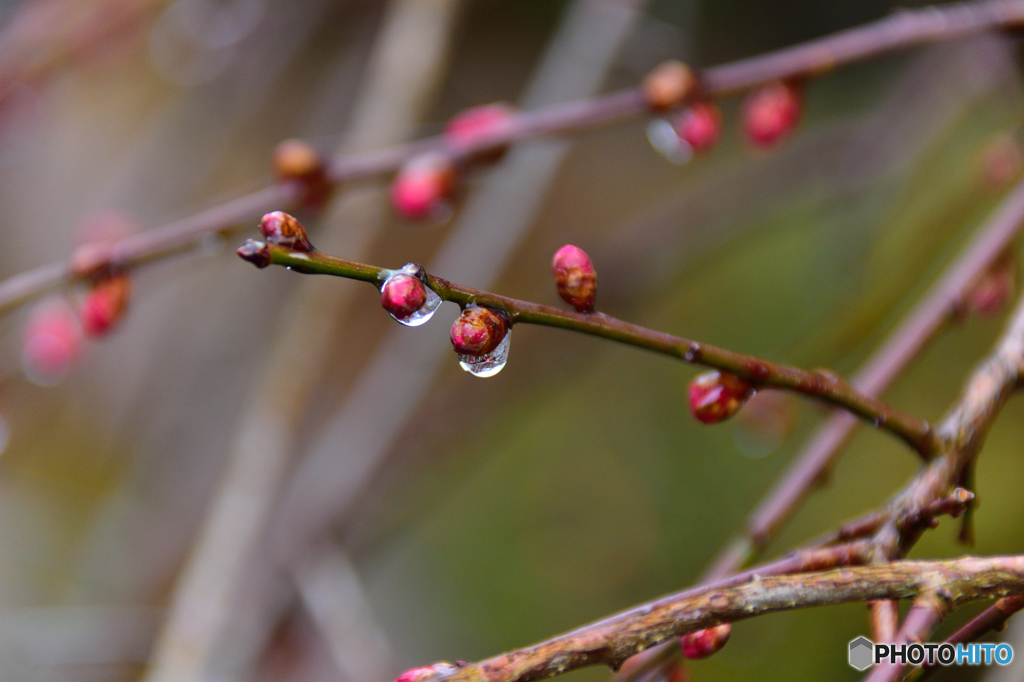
(52, 342)
(994, 289)
(296, 161)
(703, 643)
(771, 112)
(699, 126)
(424, 183)
(402, 296)
(284, 230)
(104, 305)
(478, 331)
(669, 85)
(575, 277)
(715, 396)
(478, 124)
(428, 672)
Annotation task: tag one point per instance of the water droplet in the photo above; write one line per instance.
(663, 138)
(425, 311)
(490, 364)
(210, 244)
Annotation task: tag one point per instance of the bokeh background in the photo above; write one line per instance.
(415, 513)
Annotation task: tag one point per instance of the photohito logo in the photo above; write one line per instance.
(864, 653)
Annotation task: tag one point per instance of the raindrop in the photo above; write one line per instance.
(663, 138)
(423, 314)
(490, 364)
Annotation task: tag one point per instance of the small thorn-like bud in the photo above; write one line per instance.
(474, 126)
(575, 277)
(703, 643)
(52, 342)
(256, 252)
(284, 230)
(105, 304)
(423, 186)
(699, 126)
(715, 396)
(297, 161)
(478, 331)
(402, 296)
(771, 112)
(428, 672)
(669, 85)
(994, 289)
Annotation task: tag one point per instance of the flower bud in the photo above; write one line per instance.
(104, 305)
(703, 643)
(297, 161)
(478, 124)
(428, 672)
(994, 289)
(699, 126)
(52, 342)
(402, 296)
(478, 331)
(715, 396)
(97, 236)
(771, 112)
(284, 230)
(575, 277)
(423, 185)
(257, 253)
(669, 85)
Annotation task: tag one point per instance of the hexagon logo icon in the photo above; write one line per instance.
(861, 653)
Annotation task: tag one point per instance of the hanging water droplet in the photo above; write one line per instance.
(489, 364)
(409, 305)
(663, 138)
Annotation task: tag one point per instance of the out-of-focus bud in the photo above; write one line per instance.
(994, 289)
(699, 126)
(97, 235)
(478, 124)
(402, 296)
(575, 277)
(669, 85)
(478, 331)
(423, 187)
(771, 112)
(283, 229)
(715, 396)
(1002, 161)
(297, 161)
(428, 672)
(52, 342)
(703, 643)
(256, 252)
(104, 305)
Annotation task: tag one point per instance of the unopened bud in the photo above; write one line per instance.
(284, 230)
(994, 289)
(771, 112)
(669, 85)
(575, 277)
(1002, 161)
(429, 672)
(477, 125)
(105, 304)
(478, 331)
(52, 342)
(256, 252)
(715, 396)
(699, 126)
(97, 235)
(402, 296)
(297, 161)
(703, 643)
(423, 186)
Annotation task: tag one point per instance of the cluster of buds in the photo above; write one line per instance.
(772, 112)
(703, 643)
(296, 161)
(423, 188)
(575, 277)
(715, 396)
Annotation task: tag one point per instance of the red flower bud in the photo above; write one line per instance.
(402, 296)
(478, 124)
(703, 643)
(575, 277)
(715, 396)
(478, 331)
(104, 304)
(423, 185)
(427, 672)
(52, 342)
(284, 230)
(296, 161)
(699, 126)
(771, 112)
(669, 85)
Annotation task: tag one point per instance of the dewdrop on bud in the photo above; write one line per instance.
(669, 85)
(771, 112)
(478, 124)
(703, 643)
(423, 187)
(699, 126)
(297, 161)
(283, 229)
(104, 305)
(52, 342)
(481, 339)
(575, 277)
(406, 296)
(715, 396)
(428, 672)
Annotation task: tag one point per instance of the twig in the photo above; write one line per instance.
(925, 615)
(992, 619)
(885, 620)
